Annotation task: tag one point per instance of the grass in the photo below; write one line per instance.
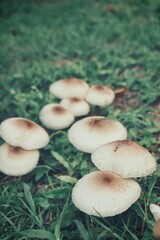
(114, 43)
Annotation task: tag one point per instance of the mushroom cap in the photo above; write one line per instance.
(91, 132)
(155, 210)
(24, 133)
(125, 158)
(100, 95)
(69, 88)
(78, 106)
(104, 193)
(55, 116)
(15, 161)
(156, 230)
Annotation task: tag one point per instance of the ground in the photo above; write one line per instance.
(115, 43)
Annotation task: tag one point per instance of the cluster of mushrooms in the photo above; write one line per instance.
(19, 154)
(107, 192)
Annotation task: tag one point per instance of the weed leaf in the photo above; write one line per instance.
(68, 179)
(61, 160)
(29, 198)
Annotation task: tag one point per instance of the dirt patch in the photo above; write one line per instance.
(127, 99)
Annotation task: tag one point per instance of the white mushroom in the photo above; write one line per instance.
(100, 95)
(69, 88)
(78, 106)
(15, 161)
(24, 133)
(91, 132)
(125, 158)
(155, 210)
(105, 194)
(55, 116)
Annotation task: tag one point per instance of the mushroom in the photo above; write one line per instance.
(100, 95)
(78, 106)
(15, 161)
(155, 210)
(125, 158)
(91, 132)
(24, 133)
(55, 116)
(69, 88)
(156, 230)
(104, 193)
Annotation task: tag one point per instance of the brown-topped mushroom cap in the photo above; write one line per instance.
(91, 132)
(16, 161)
(104, 193)
(78, 106)
(55, 116)
(124, 157)
(69, 88)
(100, 95)
(24, 133)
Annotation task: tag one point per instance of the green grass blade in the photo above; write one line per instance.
(9, 221)
(28, 197)
(108, 229)
(132, 235)
(40, 234)
(82, 230)
(59, 222)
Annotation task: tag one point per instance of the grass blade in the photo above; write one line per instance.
(29, 198)
(108, 229)
(82, 230)
(59, 222)
(35, 233)
(9, 221)
(132, 235)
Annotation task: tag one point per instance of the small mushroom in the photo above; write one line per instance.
(78, 106)
(69, 88)
(100, 95)
(15, 161)
(24, 133)
(55, 116)
(156, 230)
(104, 193)
(91, 132)
(125, 158)
(155, 210)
